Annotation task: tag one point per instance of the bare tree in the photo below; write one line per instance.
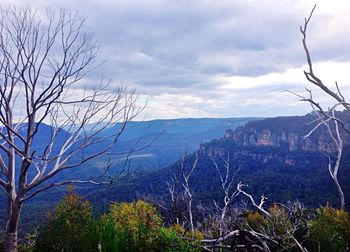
(186, 175)
(260, 207)
(178, 205)
(326, 117)
(226, 180)
(42, 65)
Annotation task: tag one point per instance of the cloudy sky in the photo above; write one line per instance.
(216, 58)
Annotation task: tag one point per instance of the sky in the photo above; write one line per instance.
(215, 58)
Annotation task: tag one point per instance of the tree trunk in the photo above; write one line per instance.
(191, 217)
(341, 194)
(11, 239)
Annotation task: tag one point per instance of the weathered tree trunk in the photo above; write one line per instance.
(11, 238)
(222, 221)
(341, 194)
(191, 216)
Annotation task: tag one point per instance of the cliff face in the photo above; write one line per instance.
(278, 139)
(285, 132)
(293, 141)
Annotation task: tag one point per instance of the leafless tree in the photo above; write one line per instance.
(42, 63)
(333, 130)
(226, 180)
(178, 205)
(186, 173)
(260, 207)
(326, 117)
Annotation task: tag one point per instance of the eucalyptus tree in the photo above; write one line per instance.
(45, 60)
(336, 126)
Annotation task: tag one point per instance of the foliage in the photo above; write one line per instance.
(137, 226)
(104, 236)
(67, 227)
(141, 227)
(197, 235)
(171, 240)
(330, 230)
(139, 221)
(278, 226)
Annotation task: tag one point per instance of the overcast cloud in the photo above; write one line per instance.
(215, 58)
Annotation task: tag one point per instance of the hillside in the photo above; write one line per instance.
(169, 138)
(270, 155)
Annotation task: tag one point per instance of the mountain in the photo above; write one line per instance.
(269, 155)
(169, 138)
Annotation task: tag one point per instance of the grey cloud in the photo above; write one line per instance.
(178, 46)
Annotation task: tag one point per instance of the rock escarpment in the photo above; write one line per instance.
(272, 139)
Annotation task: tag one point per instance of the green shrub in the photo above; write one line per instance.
(171, 241)
(277, 226)
(140, 223)
(67, 228)
(330, 230)
(103, 236)
(128, 227)
(140, 229)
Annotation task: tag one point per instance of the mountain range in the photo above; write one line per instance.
(270, 155)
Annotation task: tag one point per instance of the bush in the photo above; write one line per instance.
(278, 226)
(67, 228)
(330, 230)
(170, 240)
(103, 236)
(128, 227)
(139, 221)
(140, 229)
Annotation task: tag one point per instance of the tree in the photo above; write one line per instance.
(186, 175)
(181, 192)
(335, 126)
(226, 180)
(42, 65)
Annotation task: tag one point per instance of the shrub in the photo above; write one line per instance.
(128, 227)
(139, 221)
(197, 235)
(140, 228)
(67, 227)
(103, 236)
(278, 226)
(330, 230)
(170, 240)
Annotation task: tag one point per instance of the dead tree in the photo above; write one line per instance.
(326, 117)
(333, 130)
(42, 63)
(226, 180)
(260, 207)
(186, 173)
(177, 206)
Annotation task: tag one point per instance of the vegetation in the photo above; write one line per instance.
(133, 226)
(330, 230)
(138, 226)
(68, 227)
(270, 155)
